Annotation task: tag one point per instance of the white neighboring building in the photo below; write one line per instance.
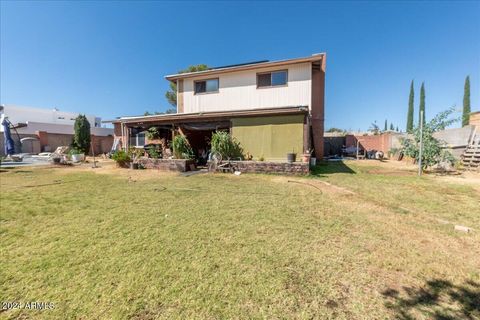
(28, 120)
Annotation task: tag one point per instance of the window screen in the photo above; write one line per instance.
(212, 85)
(264, 80)
(279, 78)
(271, 79)
(203, 86)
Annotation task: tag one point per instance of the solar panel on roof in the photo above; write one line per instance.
(240, 64)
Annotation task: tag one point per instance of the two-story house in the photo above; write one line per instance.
(271, 107)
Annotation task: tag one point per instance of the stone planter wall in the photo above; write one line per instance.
(295, 168)
(179, 165)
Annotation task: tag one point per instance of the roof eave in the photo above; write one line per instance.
(313, 58)
(217, 114)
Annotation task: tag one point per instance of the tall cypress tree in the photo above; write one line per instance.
(422, 103)
(466, 102)
(385, 128)
(410, 109)
(81, 137)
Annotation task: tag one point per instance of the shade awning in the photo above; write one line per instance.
(210, 116)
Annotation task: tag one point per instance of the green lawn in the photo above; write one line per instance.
(374, 244)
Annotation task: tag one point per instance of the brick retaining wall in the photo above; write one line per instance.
(295, 168)
(179, 165)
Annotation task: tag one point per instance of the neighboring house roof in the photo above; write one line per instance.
(248, 66)
(199, 116)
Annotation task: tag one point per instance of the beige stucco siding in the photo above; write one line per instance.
(270, 138)
(238, 91)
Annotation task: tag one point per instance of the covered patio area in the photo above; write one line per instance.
(264, 134)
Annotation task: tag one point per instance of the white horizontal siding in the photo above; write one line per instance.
(238, 91)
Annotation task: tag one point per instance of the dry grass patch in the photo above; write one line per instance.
(101, 246)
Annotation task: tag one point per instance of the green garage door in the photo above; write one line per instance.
(270, 137)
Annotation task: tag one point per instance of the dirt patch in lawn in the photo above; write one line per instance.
(386, 172)
(315, 184)
(107, 166)
(466, 178)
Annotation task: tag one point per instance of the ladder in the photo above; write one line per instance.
(116, 142)
(471, 155)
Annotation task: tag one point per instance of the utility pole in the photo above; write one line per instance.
(420, 152)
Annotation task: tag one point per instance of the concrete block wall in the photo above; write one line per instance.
(51, 141)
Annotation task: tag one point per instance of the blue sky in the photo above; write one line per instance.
(108, 58)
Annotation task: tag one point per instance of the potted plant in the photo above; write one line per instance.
(135, 155)
(306, 156)
(291, 157)
(76, 155)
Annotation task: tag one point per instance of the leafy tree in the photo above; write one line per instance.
(171, 94)
(385, 127)
(81, 137)
(374, 128)
(391, 127)
(396, 129)
(410, 109)
(466, 102)
(168, 111)
(432, 152)
(333, 129)
(422, 104)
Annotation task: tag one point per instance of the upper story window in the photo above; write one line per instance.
(206, 86)
(272, 79)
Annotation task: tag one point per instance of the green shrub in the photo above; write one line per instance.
(181, 147)
(121, 158)
(74, 150)
(224, 144)
(135, 153)
(154, 154)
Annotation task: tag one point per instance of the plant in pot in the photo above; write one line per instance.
(291, 157)
(135, 155)
(306, 156)
(122, 158)
(76, 155)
